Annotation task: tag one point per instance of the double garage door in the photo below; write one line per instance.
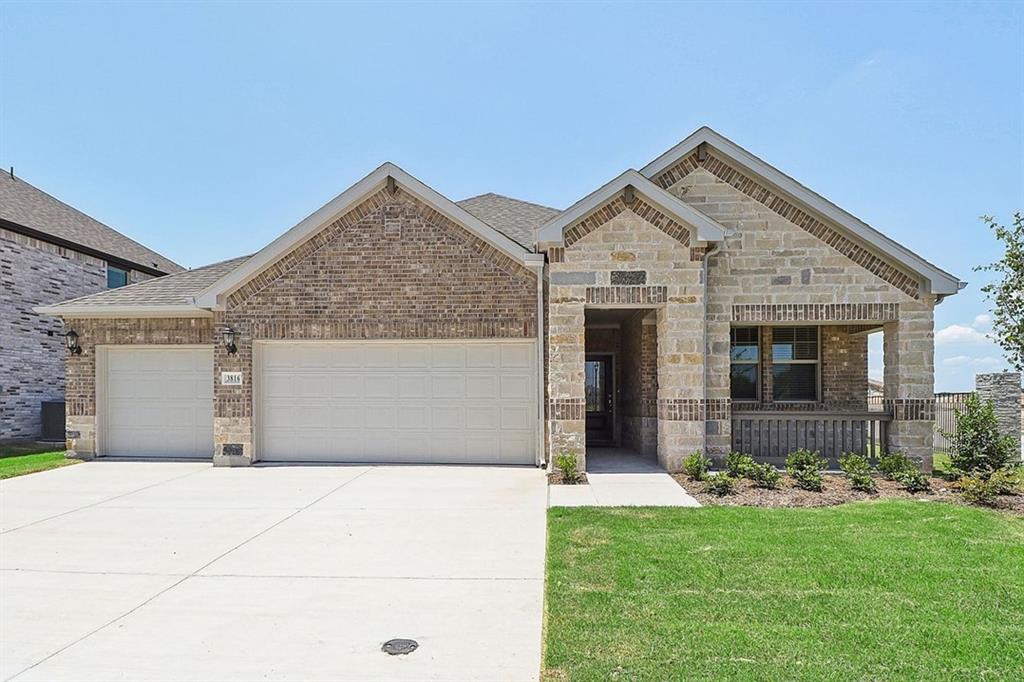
(440, 402)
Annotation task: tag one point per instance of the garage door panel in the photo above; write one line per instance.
(381, 386)
(516, 387)
(407, 402)
(516, 356)
(157, 402)
(447, 386)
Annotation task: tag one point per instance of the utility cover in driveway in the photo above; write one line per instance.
(422, 401)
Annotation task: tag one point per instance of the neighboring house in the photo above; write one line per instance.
(50, 252)
(706, 301)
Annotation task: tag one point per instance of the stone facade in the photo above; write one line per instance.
(1002, 389)
(36, 273)
(779, 266)
(625, 242)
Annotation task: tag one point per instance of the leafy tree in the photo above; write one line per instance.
(976, 446)
(1007, 292)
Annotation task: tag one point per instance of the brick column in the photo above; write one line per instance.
(566, 330)
(910, 381)
(680, 380)
(1003, 391)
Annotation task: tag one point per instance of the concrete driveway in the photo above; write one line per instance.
(179, 571)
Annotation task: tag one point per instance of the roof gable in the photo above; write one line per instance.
(705, 229)
(777, 190)
(215, 295)
(25, 206)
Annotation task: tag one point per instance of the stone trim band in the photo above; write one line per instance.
(626, 294)
(567, 408)
(816, 312)
(693, 409)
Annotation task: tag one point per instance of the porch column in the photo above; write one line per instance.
(566, 383)
(909, 350)
(680, 380)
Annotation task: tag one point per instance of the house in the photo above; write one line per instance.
(706, 301)
(50, 252)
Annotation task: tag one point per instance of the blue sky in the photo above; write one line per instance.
(204, 130)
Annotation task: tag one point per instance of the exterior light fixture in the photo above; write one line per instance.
(71, 341)
(229, 336)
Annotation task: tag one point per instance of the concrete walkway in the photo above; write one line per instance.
(618, 477)
(179, 571)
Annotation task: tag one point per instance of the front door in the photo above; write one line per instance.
(599, 391)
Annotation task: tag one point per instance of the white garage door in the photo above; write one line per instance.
(156, 402)
(441, 402)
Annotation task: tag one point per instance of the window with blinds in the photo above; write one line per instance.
(796, 359)
(745, 363)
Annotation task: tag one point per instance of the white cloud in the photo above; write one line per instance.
(983, 322)
(958, 333)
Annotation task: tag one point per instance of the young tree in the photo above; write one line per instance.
(1007, 292)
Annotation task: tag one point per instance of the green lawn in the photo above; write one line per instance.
(14, 463)
(864, 591)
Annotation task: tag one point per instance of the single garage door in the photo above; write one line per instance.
(438, 402)
(156, 401)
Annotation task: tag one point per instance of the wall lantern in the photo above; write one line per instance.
(71, 341)
(229, 340)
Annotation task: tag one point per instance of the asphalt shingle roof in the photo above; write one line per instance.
(516, 219)
(176, 289)
(31, 207)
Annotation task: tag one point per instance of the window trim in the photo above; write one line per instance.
(817, 372)
(757, 379)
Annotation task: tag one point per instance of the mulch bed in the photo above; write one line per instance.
(555, 478)
(836, 491)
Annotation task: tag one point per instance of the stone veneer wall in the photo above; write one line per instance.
(771, 270)
(80, 393)
(36, 273)
(392, 268)
(1004, 392)
(626, 261)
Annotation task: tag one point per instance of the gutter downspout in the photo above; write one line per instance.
(704, 398)
(538, 267)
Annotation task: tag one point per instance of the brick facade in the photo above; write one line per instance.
(36, 273)
(80, 394)
(391, 268)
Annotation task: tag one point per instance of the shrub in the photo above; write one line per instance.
(976, 490)
(808, 478)
(913, 481)
(977, 446)
(804, 459)
(863, 482)
(1006, 481)
(764, 476)
(738, 465)
(695, 466)
(721, 484)
(893, 464)
(566, 463)
(851, 463)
